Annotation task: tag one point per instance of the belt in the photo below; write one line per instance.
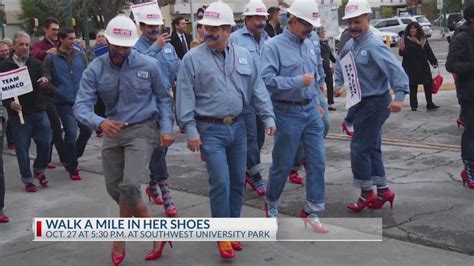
(226, 120)
(302, 102)
(139, 122)
(375, 96)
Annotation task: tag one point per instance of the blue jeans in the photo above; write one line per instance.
(366, 153)
(467, 140)
(350, 115)
(37, 127)
(251, 120)
(299, 152)
(157, 166)
(68, 120)
(225, 149)
(297, 123)
(10, 134)
(84, 135)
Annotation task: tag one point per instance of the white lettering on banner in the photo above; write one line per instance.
(15, 83)
(351, 80)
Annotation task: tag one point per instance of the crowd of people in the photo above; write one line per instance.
(229, 90)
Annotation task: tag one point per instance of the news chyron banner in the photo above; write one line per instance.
(204, 229)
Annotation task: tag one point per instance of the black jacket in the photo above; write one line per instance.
(271, 31)
(178, 46)
(460, 61)
(415, 61)
(33, 101)
(326, 55)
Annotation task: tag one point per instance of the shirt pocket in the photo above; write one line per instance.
(290, 68)
(109, 94)
(362, 59)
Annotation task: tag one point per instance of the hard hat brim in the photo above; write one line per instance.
(315, 22)
(152, 23)
(121, 42)
(356, 14)
(210, 22)
(255, 14)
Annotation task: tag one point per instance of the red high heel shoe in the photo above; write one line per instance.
(361, 203)
(157, 199)
(466, 179)
(314, 222)
(171, 211)
(380, 201)
(236, 245)
(295, 178)
(153, 255)
(346, 129)
(459, 122)
(249, 180)
(4, 218)
(117, 259)
(225, 249)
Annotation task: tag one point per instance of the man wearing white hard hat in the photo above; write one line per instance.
(216, 80)
(134, 94)
(155, 45)
(290, 67)
(252, 37)
(378, 71)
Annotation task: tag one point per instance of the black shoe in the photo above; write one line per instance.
(331, 108)
(432, 106)
(413, 108)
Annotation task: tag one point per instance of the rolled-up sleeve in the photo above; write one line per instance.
(186, 99)
(86, 99)
(163, 99)
(260, 99)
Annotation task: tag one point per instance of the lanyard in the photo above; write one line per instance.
(223, 70)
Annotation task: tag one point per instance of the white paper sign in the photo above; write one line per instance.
(351, 80)
(140, 8)
(15, 83)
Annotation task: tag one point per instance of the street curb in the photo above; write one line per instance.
(444, 87)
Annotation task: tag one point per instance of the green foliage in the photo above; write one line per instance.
(429, 9)
(387, 12)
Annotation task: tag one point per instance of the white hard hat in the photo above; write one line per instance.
(307, 10)
(121, 31)
(151, 17)
(355, 8)
(218, 14)
(255, 8)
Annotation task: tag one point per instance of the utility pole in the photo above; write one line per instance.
(68, 13)
(192, 18)
(85, 23)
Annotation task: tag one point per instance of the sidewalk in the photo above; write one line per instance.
(65, 198)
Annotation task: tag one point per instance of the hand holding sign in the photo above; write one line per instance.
(15, 83)
(351, 80)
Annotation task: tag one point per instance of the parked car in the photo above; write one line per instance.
(398, 24)
(382, 35)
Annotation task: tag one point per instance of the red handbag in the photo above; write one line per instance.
(437, 81)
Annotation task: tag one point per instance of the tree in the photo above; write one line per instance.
(56, 8)
(387, 12)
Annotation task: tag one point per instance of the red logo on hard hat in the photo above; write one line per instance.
(211, 14)
(153, 16)
(261, 9)
(315, 14)
(123, 32)
(351, 8)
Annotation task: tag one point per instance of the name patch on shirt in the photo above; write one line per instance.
(312, 51)
(315, 42)
(142, 74)
(168, 51)
(243, 61)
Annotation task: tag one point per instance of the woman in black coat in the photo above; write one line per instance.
(416, 53)
(327, 57)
